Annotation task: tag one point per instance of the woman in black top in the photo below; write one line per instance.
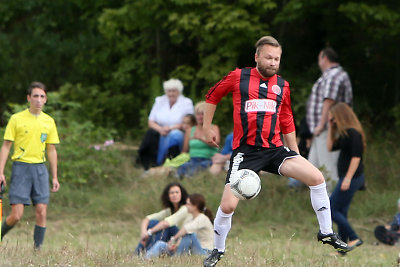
(345, 133)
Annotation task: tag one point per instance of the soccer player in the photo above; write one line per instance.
(262, 110)
(32, 132)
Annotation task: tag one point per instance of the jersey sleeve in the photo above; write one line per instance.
(223, 87)
(52, 138)
(286, 114)
(10, 130)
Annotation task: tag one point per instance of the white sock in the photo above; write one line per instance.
(322, 207)
(222, 225)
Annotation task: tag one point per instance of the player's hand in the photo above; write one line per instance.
(56, 185)
(210, 137)
(3, 180)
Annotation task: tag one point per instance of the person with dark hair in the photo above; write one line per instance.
(32, 132)
(195, 237)
(262, 113)
(333, 86)
(165, 223)
(346, 134)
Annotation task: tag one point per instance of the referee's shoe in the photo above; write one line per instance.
(333, 240)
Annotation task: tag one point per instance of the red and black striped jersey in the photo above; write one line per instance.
(261, 107)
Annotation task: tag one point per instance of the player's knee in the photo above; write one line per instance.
(227, 209)
(16, 216)
(316, 179)
(41, 213)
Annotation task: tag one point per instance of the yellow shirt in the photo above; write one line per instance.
(30, 135)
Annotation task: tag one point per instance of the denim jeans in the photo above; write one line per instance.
(188, 245)
(163, 235)
(340, 204)
(193, 166)
(174, 138)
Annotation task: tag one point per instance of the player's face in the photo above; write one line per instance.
(174, 194)
(268, 60)
(37, 99)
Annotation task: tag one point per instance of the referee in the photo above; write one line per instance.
(32, 132)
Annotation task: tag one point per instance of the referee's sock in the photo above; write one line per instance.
(322, 207)
(38, 236)
(5, 228)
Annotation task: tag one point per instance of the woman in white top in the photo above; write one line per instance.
(165, 125)
(167, 222)
(195, 237)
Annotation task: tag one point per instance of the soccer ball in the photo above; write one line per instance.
(245, 184)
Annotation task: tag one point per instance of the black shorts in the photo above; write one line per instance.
(259, 158)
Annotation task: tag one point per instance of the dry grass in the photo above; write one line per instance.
(110, 242)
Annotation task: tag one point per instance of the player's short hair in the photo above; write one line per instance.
(330, 54)
(173, 84)
(266, 40)
(34, 85)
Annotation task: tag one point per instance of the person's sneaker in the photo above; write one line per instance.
(334, 241)
(213, 258)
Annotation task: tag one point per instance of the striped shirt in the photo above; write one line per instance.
(334, 84)
(261, 107)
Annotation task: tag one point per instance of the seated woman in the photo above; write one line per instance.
(164, 137)
(200, 152)
(195, 237)
(165, 223)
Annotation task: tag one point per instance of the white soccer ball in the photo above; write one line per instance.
(245, 184)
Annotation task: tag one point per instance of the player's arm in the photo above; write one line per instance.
(291, 141)
(209, 132)
(5, 150)
(328, 103)
(52, 156)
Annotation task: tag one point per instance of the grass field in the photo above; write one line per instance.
(98, 224)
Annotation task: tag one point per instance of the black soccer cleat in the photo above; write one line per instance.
(213, 258)
(334, 241)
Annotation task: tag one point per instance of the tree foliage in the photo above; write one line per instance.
(111, 56)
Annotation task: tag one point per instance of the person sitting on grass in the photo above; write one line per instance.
(189, 120)
(194, 143)
(165, 223)
(196, 237)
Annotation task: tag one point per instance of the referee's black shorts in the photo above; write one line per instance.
(259, 158)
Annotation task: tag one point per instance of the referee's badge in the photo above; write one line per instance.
(43, 137)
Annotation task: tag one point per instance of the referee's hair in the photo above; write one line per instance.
(330, 54)
(266, 40)
(34, 85)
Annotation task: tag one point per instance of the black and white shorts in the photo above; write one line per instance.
(259, 158)
(29, 181)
